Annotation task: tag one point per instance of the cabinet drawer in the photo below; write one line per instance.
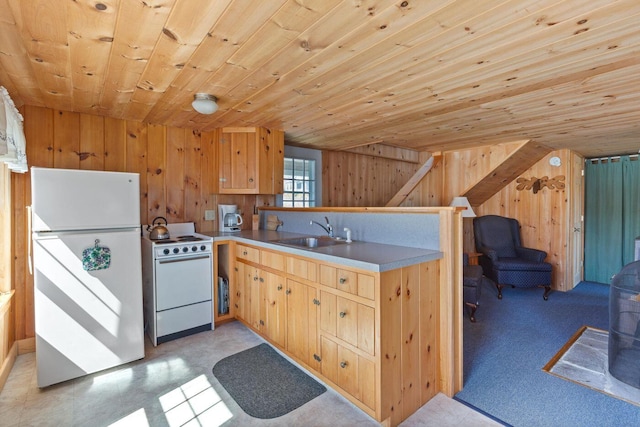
(183, 318)
(348, 281)
(272, 260)
(302, 268)
(248, 253)
(348, 320)
(351, 372)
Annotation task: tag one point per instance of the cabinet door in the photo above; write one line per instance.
(238, 161)
(254, 284)
(340, 365)
(239, 295)
(247, 253)
(348, 320)
(272, 260)
(328, 315)
(302, 268)
(348, 371)
(329, 359)
(347, 325)
(353, 373)
(347, 281)
(247, 306)
(301, 322)
(274, 307)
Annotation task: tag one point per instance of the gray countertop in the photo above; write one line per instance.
(375, 257)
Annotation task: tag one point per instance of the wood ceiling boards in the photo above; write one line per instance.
(426, 75)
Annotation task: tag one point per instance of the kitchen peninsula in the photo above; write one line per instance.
(379, 322)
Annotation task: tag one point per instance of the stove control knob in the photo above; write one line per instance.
(185, 249)
(176, 250)
(166, 252)
(194, 248)
(203, 247)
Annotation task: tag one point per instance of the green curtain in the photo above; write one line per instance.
(630, 207)
(612, 216)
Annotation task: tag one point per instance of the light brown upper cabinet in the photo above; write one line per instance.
(251, 160)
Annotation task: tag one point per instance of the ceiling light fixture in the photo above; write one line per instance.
(204, 103)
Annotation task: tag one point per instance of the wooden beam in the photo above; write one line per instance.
(518, 162)
(414, 180)
(387, 152)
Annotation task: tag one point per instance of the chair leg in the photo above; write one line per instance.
(499, 286)
(547, 289)
(472, 311)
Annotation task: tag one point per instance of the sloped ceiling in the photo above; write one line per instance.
(422, 74)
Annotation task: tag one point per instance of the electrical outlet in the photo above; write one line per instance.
(210, 215)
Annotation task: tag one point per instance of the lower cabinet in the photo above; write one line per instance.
(261, 301)
(274, 303)
(348, 320)
(302, 317)
(239, 291)
(372, 336)
(353, 373)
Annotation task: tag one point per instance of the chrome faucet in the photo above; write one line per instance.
(328, 228)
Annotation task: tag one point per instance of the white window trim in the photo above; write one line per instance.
(307, 154)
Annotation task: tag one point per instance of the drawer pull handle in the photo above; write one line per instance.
(343, 364)
(245, 253)
(255, 278)
(279, 287)
(288, 291)
(342, 314)
(261, 280)
(343, 280)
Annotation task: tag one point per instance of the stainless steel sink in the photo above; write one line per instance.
(311, 242)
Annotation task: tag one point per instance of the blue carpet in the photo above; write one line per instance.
(513, 338)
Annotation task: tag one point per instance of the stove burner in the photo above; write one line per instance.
(164, 241)
(188, 239)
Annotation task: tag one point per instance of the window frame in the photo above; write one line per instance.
(308, 182)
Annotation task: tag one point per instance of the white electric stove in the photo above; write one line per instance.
(177, 276)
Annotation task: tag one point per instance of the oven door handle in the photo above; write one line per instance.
(184, 258)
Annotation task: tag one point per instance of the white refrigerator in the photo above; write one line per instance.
(87, 271)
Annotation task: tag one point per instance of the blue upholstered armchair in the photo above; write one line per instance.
(504, 259)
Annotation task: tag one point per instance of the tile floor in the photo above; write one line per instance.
(586, 362)
(174, 386)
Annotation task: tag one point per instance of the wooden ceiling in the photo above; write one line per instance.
(422, 74)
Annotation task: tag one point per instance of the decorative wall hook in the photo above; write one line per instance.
(537, 184)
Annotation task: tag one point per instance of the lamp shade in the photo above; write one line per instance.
(463, 201)
(204, 103)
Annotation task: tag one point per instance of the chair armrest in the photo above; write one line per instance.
(531, 254)
(471, 275)
(490, 253)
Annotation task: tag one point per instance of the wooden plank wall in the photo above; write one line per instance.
(351, 179)
(178, 176)
(5, 228)
(544, 217)
(355, 179)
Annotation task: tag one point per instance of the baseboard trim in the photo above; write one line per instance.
(8, 364)
(27, 345)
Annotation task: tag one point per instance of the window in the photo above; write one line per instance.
(299, 183)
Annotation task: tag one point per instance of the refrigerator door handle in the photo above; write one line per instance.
(29, 241)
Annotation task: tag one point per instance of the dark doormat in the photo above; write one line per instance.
(265, 384)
